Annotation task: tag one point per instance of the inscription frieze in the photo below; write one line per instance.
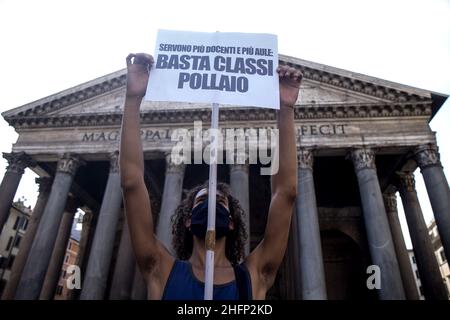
(155, 135)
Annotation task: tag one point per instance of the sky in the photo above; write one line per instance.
(48, 46)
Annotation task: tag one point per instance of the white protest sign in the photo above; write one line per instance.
(218, 67)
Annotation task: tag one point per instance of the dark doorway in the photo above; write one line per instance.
(344, 267)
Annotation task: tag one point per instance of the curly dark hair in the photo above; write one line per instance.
(182, 240)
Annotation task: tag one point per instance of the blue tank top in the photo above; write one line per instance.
(183, 285)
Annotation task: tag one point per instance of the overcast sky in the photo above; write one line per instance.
(49, 46)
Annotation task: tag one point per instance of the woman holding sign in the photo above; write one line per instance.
(178, 278)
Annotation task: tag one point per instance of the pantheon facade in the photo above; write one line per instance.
(359, 140)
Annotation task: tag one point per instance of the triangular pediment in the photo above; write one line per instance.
(311, 93)
(322, 85)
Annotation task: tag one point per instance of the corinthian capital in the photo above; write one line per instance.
(427, 155)
(18, 161)
(305, 158)
(390, 201)
(69, 163)
(86, 219)
(171, 166)
(45, 184)
(407, 182)
(363, 158)
(114, 161)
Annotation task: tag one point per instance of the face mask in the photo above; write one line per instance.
(199, 220)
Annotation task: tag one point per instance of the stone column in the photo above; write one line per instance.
(377, 227)
(309, 257)
(430, 276)
(240, 190)
(124, 270)
(409, 282)
(139, 291)
(173, 187)
(59, 251)
(293, 250)
(97, 270)
(427, 158)
(28, 238)
(289, 272)
(17, 162)
(37, 263)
